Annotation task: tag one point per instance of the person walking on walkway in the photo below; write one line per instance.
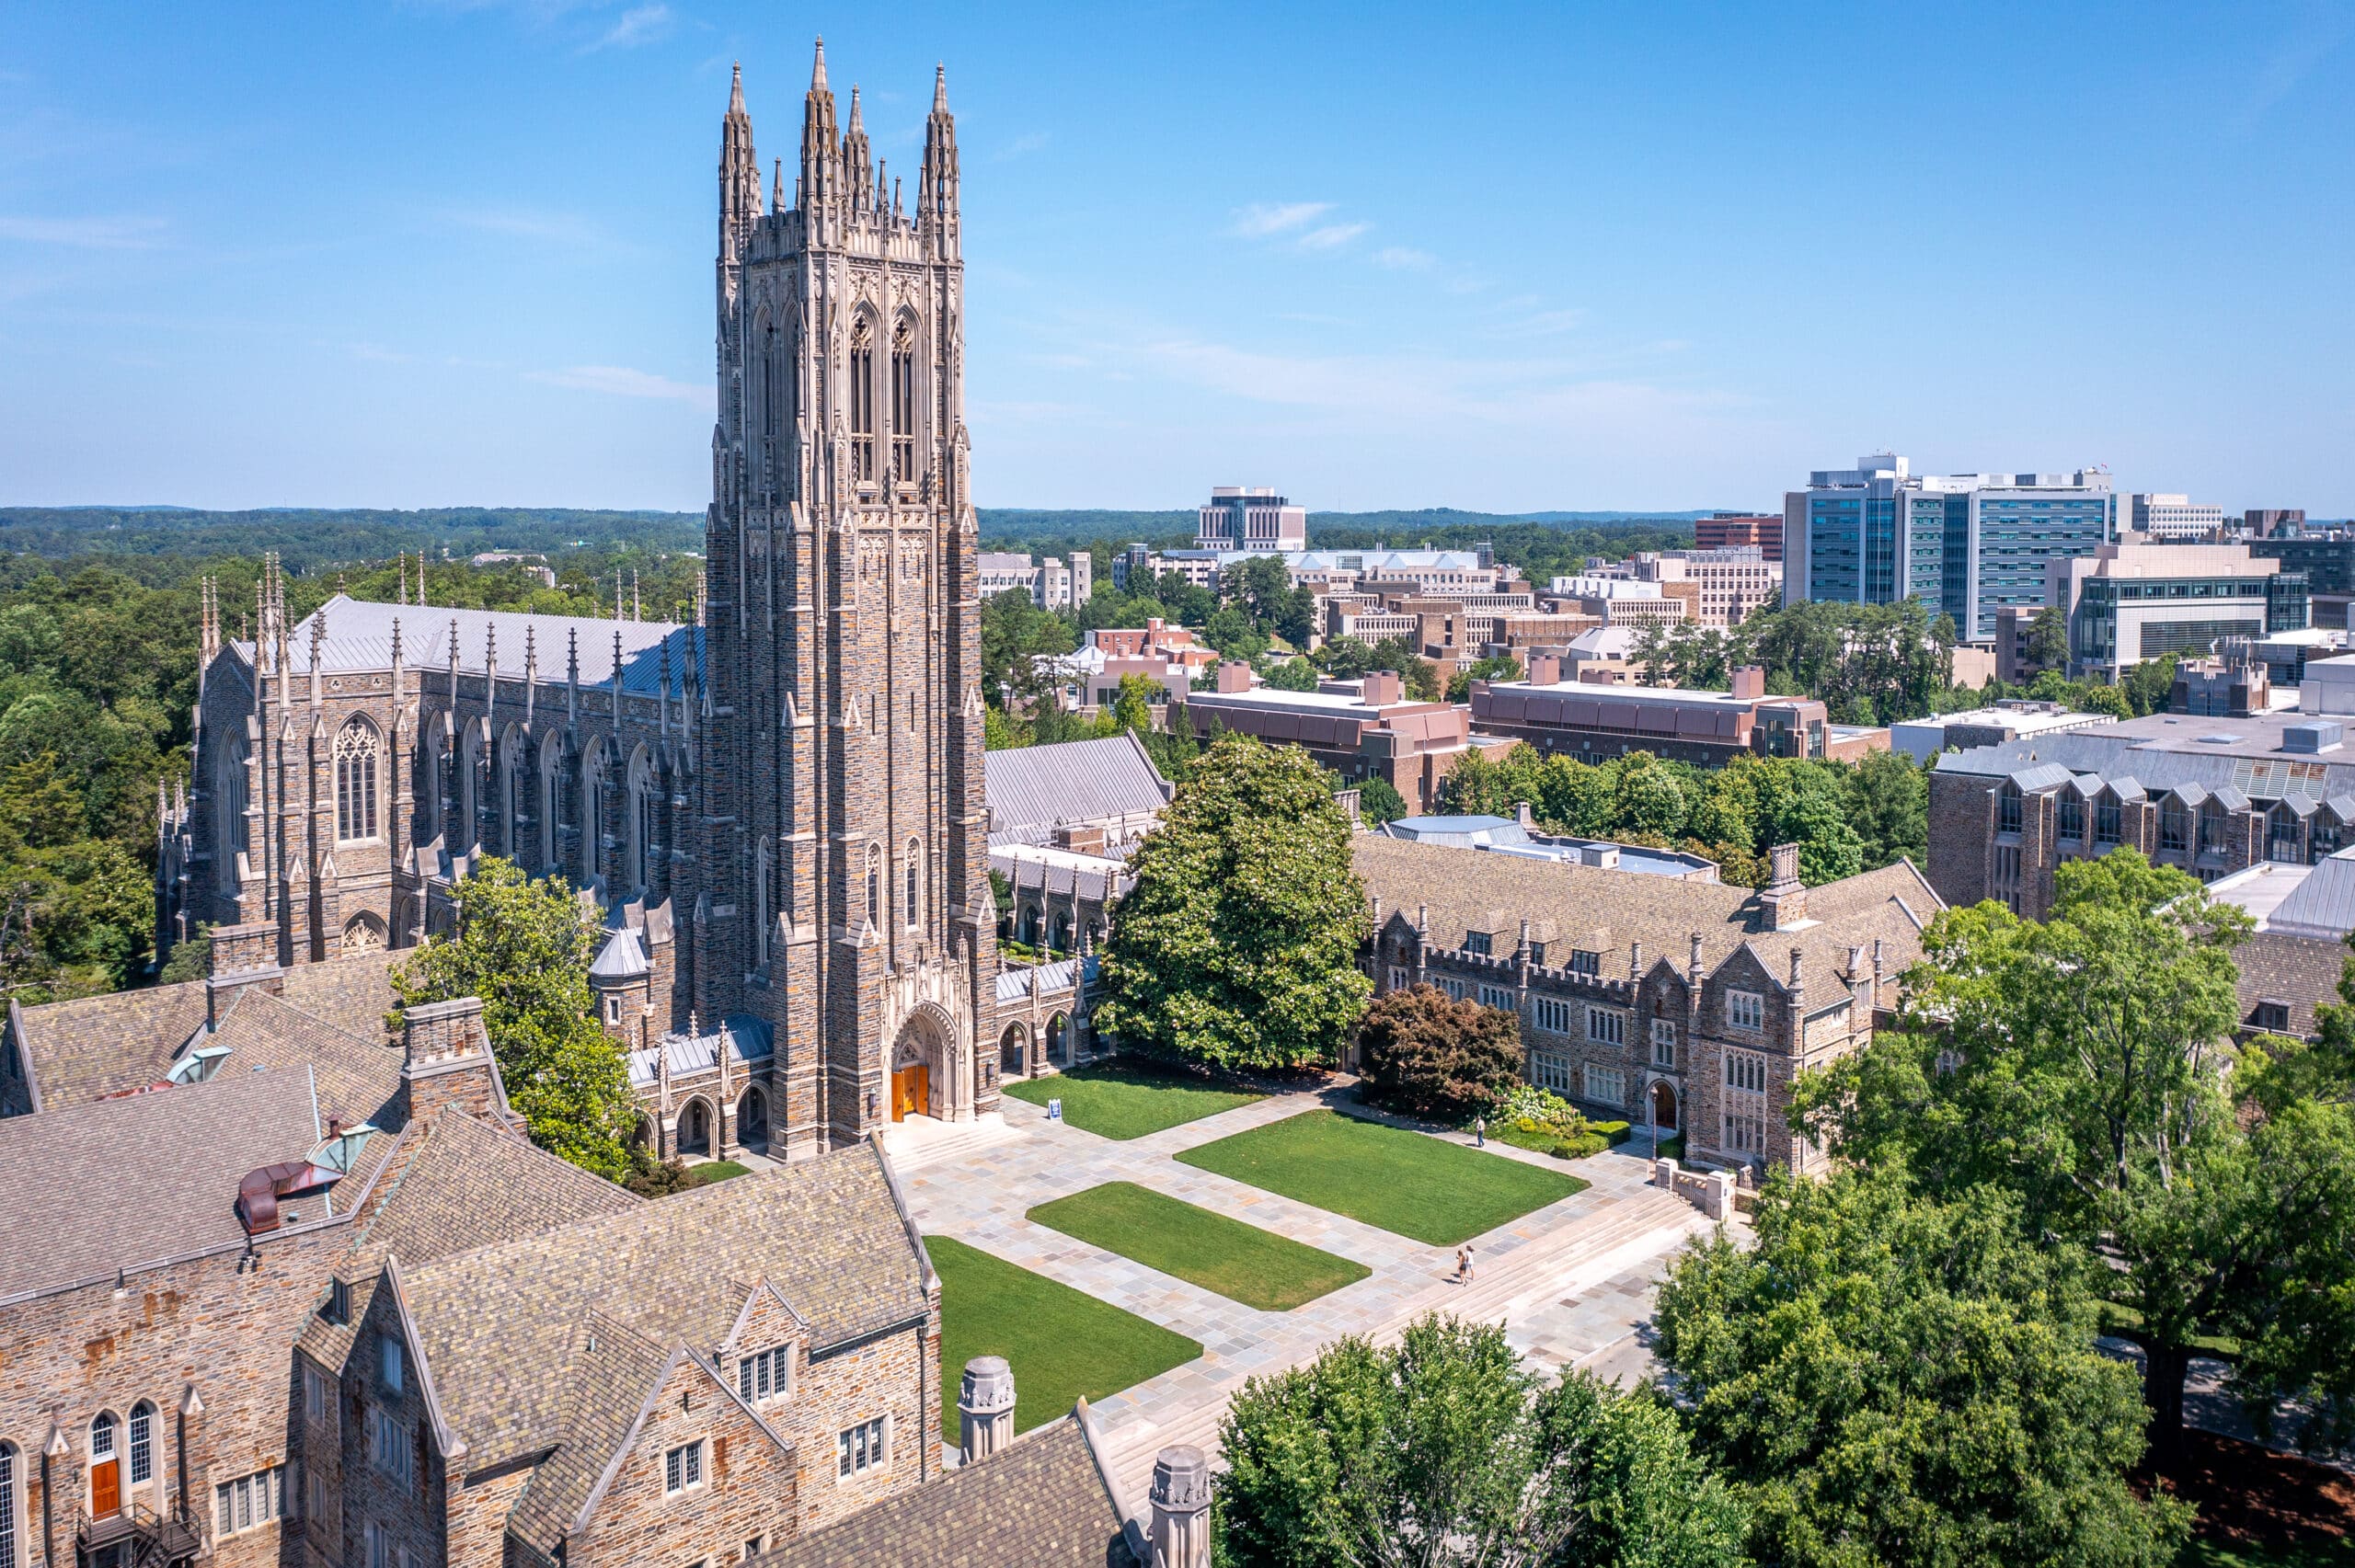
(1463, 1264)
(1479, 1132)
(1467, 1262)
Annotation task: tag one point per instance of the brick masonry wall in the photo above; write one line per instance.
(1962, 829)
(416, 1513)
(748, 1490)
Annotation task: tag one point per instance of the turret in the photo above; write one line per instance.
(739, 176)
(937, 197)
(858, 166)
(821, 155)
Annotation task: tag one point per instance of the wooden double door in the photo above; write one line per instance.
(911, 1092)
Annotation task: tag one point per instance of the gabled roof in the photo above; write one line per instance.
(1032, 788)
(2043, 775)
(1041, 1501)
(76, 1051)
(359, 637)
(498, 1324)
(621, 958)
(744, 1037)
(358, 1080)
(124, 1183)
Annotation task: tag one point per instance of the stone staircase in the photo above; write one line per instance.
(1620, 1233)
(921, 1141)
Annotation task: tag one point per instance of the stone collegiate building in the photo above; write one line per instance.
(292, 1290)
(780, 809)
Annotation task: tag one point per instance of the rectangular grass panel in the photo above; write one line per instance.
(1402, 1181)
(1123, 1100)
(1064, 1344)
(1239, 1262)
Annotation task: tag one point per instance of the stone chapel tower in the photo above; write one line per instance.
(848, 897)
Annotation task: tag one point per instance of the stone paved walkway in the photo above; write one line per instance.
(1572, 1281)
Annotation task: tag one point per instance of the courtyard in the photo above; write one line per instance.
(1154, 1269)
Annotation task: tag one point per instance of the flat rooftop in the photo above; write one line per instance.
(1680, 695)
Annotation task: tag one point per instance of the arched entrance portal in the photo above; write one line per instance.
(1011, 1052)
(1664, 1104)
(753, 1119)
(919, 1069)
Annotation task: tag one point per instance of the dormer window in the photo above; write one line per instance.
(765, 1374)
(1475, 942)
(1585, 963)
(339, 1303)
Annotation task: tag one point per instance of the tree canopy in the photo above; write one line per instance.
(1237, 945)
(524, 947)
(1429, 1054)
(2086, 1066)
(1891, 1380)
(1445, 1450)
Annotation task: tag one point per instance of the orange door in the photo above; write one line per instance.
(911, 1092)
(106, 1487)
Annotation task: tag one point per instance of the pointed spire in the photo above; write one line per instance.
(777, 194)
(941, 88)
(818, 72)
(736, 90)
(635, 612)
(857, 119)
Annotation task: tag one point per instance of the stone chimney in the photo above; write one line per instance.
(1635, 960)
(1234, 675)
(984, 1408)
(1693, 971)
(1181, 1509)
(1522, 813)
(1381, 688)
(1544, 670)
(1799, 985)
(1784, 899)
(242, 955)
(1749, 682)
(446, 1059)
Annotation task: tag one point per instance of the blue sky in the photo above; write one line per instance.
(1505, 258)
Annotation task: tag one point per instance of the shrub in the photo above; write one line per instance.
(1425, 1053)
(1614, 1133)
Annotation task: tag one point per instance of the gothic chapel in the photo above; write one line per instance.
(778, 810)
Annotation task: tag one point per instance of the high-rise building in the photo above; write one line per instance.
(2125, 603)
(1734, 531)
(1966, 544)
(1250, 518)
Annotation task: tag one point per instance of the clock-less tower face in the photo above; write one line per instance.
(848, 899)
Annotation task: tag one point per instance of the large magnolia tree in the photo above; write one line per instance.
(524, 947)
(1237, 945)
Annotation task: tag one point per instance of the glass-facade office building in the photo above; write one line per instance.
(1966, 546)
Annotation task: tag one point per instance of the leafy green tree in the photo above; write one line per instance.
(1890, 1379)
(1379, 802)
(1424, 1052)
(1502, 666)
(1236, 947)
(1445, 1450)
(1651, 799)
(524, 948)
(2048, 640)
(1293, 675)
(1016, 635)
(1130, 708)
(190, 959)
(2086, 1066)
(1889, 805)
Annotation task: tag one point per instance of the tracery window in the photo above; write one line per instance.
(916, 883)
(904, 404)
(875, 885)
(357, 751)
(862, 400)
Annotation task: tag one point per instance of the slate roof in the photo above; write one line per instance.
(621, 958)
(2283, 967)
(2169, 752)
(358, 637)
(1043, 980)
(358, 1080)
(77, 1051)
(2323, 901)
(612, 1371)
(1041, 1501)
(1032, 788)
(1061, 874)
(500, 1324)
(1465, 889)
(123, 1182)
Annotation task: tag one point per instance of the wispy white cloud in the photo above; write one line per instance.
(1405, 258)
(639, 25)
(1547, 322)
(1331, 236)
(619, 381)
(86, 234)
(1264, 218)
(1027, 143)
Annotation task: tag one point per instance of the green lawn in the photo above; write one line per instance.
(1061, 1343)
(1239, 1262)
(1124, 1101)
(719, 1170)
(1403, 1182)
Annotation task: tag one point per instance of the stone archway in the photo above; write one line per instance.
(920, 1067)
(1014, 1051)
(1664, 1104)
(1059, 1040)
(753, 1119)
(696, 1129)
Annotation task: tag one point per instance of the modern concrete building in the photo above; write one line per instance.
(1052, 583)
(1722, 586)
(2126, 603)
(2170, 517)
(1253, 519)
(2327, 557)
(1706, 729)
(1921, 739)
(1510, 835)
(1361, 729)
(1617, 601)
(1966, 544)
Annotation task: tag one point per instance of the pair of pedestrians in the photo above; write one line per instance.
(1464, 1264)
